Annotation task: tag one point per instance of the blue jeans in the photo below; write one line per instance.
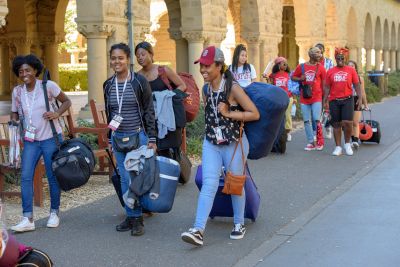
(31, 154)
(214, 157)
(125, 177)
(311, 114)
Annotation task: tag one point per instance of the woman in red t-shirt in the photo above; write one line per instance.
(313, 75)
(280, 77)
(339, 87)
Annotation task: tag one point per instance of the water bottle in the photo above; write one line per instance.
(293, 111)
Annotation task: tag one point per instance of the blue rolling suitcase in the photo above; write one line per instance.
(169, 175)
(222, 206)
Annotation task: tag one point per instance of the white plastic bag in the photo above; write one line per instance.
(15, 151)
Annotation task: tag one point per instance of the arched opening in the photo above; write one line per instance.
(378, 44)
(386, 46)
(351, 27)
(229, 43)
(164, 46)
(368, 42)
(288, 47)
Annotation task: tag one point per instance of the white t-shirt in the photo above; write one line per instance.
(244, 77)
(43, 128)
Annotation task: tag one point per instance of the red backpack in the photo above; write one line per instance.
(192, 101)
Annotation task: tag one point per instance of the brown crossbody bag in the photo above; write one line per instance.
(233, 184)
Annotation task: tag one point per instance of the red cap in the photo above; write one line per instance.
(210, 55)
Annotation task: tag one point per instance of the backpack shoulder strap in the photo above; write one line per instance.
(163, 75)
(302, 68)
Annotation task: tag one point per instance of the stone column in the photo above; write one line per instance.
(398, 59)
(51, 59)
(378, 59)
(22, 45)
(96, 57)
(195, 47)
(386, 60)
(253, 50)
(181, 48)
(368, 66)
(393, 60)
(5, 69)
(304, 45)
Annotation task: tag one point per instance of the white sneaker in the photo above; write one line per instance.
(347, 148)
(24, 226)
(328, 132)
(337, 151)
(53, 221)
(289, 137)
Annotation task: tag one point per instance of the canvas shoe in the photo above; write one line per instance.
(24, 226)
(337, 151)
(310, 147)
(347, 148)
(355, 145)
(193, 236)
(238, 231)
(319, 147)
(328, 132)
(53, 220)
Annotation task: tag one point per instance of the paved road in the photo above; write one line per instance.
(289, 185)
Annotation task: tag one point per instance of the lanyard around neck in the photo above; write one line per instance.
(215, 106)
(31, 103)
(117, 92)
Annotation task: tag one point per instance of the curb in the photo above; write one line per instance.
(285, 233)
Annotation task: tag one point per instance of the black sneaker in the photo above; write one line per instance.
(138, 226)
(238, 231)
(126, 225)
(193, 236)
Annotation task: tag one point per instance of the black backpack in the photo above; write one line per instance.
(74, 161)
(35, 257)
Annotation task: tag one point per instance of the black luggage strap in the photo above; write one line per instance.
(46, 76)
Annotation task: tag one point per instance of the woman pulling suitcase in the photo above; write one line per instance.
(130, 114)
(226, 106)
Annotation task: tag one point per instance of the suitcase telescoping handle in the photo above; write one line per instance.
(370, 116)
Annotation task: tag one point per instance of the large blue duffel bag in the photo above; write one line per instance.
(271, 101)
(169, 175)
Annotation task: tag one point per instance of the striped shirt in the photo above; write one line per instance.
(129, 110)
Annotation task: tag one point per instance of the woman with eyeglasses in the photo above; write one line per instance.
(280, 77)
(339, 88)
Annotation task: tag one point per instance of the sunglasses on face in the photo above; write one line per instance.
(340, 57)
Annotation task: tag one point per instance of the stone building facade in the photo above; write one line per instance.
(268, 28)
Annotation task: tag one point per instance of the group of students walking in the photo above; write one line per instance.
(128, 98)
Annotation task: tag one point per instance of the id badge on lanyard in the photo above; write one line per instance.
(117, 119)
(217, 130)
(30, 130)
(30, 133)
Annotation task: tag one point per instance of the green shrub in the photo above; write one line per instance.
(394, 83)
(195, 134)
(89, 138)
(73, 79)
(373, 93)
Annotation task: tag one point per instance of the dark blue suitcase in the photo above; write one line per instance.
(169, 175)
(222, 206)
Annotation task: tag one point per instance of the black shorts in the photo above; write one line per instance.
(355, 103)
(341, 110)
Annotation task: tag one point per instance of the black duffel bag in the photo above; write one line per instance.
(73, 163)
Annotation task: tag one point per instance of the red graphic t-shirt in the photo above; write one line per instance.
(281, 80)
(313, 79)
(340, 81)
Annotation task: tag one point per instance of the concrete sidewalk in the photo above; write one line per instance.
(359, 228)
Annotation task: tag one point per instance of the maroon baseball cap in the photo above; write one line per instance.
(210, 55)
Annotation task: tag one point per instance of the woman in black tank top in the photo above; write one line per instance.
(169, 145)
(226, 105)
